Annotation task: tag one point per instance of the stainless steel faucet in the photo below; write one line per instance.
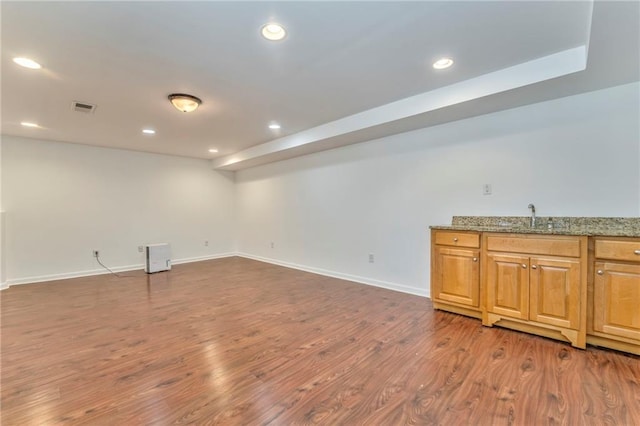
(532, 224)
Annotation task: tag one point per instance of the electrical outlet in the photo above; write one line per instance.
(371, 258)
(96, 253)
(140, 249)
(272, 244)
(486, 189)
(206, 243)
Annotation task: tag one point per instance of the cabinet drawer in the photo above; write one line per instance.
(553, 246)
(618, 250)
(457, 239)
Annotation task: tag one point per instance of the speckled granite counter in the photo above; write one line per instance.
(589, 226)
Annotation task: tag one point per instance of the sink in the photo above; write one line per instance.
(556, 223)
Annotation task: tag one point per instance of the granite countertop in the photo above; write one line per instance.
(587, 226)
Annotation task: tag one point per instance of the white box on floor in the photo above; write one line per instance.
(157, 257)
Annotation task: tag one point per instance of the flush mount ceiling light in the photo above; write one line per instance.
(184, 103)
(273, 31)
(443, 63)
(274, 126)
(27, 63)
(213, 150)
(148, 131)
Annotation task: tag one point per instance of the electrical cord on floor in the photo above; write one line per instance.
(97, 256)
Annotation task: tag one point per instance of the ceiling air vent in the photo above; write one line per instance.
(83, 107)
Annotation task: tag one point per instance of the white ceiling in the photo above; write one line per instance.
(347, 72)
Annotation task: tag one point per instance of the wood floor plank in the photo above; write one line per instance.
(235, 341)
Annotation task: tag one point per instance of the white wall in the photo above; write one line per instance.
(3, 283)
(324, 212)
(64, 200)
(3, 280)
(576, 156)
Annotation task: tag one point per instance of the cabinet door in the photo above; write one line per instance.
(457, 277)
(555, 291)
(616, 299)
(508, 285)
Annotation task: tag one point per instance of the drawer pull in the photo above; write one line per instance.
(524, 266)
(600, 272)
(455, 240)
(534, 267)
(637, 252)
(475, 259)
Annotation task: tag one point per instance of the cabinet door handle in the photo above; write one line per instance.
(534, 267)
(600, 272)
(637, 252)
(475, 259)
(524, 266)
(455, 240)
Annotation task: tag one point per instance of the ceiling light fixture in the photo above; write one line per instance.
(443, 63)
(184, 103)
(27, 63)
(148, 131)
(213, 150)
(273, 31)
(28, 124)
(274, 126)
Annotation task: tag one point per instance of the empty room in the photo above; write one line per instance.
(320, 212)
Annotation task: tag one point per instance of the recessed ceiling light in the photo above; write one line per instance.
(148, 131)
(28, 124)
(213, 150)
(443, 63)
(274, 126)
(273, 31)
(27, 63)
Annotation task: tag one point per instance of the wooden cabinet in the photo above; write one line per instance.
(536, 284)
(614, 301)
(507, 284)
(455, 272)
(555, 292)
(574, 288)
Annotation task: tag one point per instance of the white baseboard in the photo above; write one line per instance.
(201, 258)
(88, 273)
(67, 275)
(358, 279)
(361, 280)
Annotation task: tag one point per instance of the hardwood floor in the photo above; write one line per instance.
(235, 341)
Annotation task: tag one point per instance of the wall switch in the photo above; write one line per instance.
(140, 249)
(371, 258)
(486, 189)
